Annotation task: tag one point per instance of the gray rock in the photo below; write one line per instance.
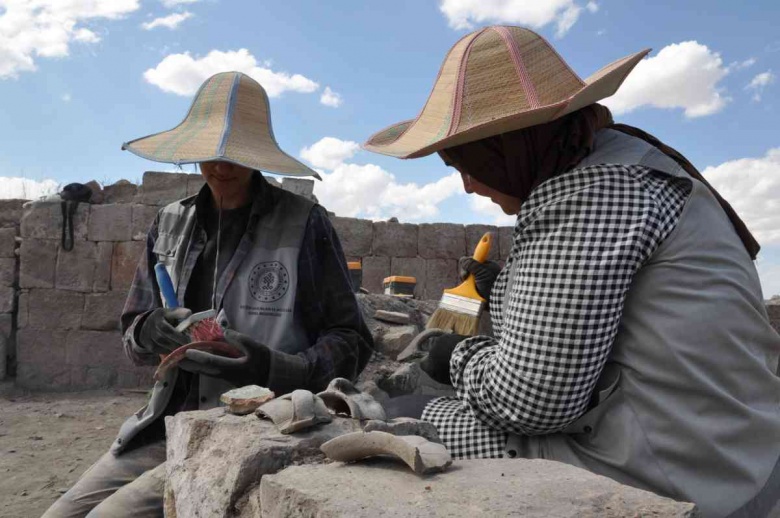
(395, 239)
(112, 222)
(475, 232)
(54, 309)
(104, 252)
(124, 262)
(442, 241)
(162, 188)
(7, 242)
(7, 299)
(143, 216)
(102, 310)
(215, 458)
(11, 212)
(3, 356)
(43, 220)
(41, 360)
(410, 267)
(7, 271)
(97, 192)
(440, 274)
(375, 269)
(500, 487)
(410, 379)
(300, 186)
(37, 260)
(120, 192)
(76, 268)
(395, 339)
(394, 317)
(356, 235)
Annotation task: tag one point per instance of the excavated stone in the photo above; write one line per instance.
(102, 278)
(355, 235)
(394, 317)
(122, 191)
(54, 309)
(7, 271)
(442, 241)
(420, 454)
(7, 242)
(102, 310)
(300, 186)
(500, 487)
(342, 398)
(162, 188)
(43, 220)
(395, 339)
(440, 274)
(111, 222)
(214, 459)
(11, 212)
(295, 412)
(124, 262)
(36, 266)
(395, 239)
(142, 218)
(245, 400)
(75, 270)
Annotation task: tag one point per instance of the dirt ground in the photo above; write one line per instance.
(48, 440)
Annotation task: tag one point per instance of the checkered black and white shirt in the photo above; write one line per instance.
(578, 241)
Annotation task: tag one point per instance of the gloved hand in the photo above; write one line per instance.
(158, 333)
(437, 363)
(485, 274)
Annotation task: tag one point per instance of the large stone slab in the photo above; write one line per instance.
(440, 274)
(356, 235)
(7, 271)
(528, 488)
(215, 459)
(143, 217)
(124, 262)
(11, 212)
(122, 191)
(41, 359)
(43, 220)
(100, 349)
(301, 186)
(54, 309)
(7, 242)
(37, 261)
(395, 239)
(111, 222)
(162, 188)
(7, 298)
(102, 310)
(103, 255)
(76, 268)
(375, 269)
(442, 241)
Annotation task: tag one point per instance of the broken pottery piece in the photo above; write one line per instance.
(341, 397)
(420, 454)
(179, 354)
(393, 317)
(202, 327)
(245, 400)
(296, 411)
(420, 345)
(404, 426)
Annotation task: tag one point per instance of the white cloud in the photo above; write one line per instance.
(752, 187)
(182, 74)
(174, 3)
(593, 7)
(66, 97)
(484, 207)
(25, 188)
(45, 28)
(682, 75)
(465, 14)
(171, 21)
(759, 82)
(331, 98)
(329, 152)
(739, 65)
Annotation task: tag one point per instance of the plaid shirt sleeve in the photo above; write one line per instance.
(578, 242)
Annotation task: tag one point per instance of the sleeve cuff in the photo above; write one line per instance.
(287, 372)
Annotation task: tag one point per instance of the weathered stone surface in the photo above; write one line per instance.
(97, 195)
(245, 400)
(394, 317)
(418, 310)
(475, 232)
(214, 458)
(43, 220)
(84, 377)
(440, 274)
(131, 376)
(410, 267)
(162, 188)
(21, 309)
(112, 222)
(11, 212)
(124, 263)
(7, 344)
(375, 269)
(54, 309)
(410, 379)
(94, 349)
(120, 192)
(505, 241)
(143, 217)
(356, 235)
(194, 184)
(41, 359)
(7, 271)
(395, 339)
(442, 241)
(7, 242)
(3, 356)
(103, 255)
(301, 186)
(102, 310)
(486, 487)
(405, 426)
(7, 298)
(37, 261)
(395, 239)
(76, 268)
(48, 376)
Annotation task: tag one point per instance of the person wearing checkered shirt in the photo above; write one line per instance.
(630, 333)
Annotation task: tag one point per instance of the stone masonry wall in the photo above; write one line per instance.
(59, 310)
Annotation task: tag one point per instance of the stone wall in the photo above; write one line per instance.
(59, 310)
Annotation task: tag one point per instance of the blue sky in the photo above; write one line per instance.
(79, 77)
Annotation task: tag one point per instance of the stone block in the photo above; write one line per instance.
(7, 299)
(300, 186)
(36, 265)
(375, 269)
(395, 339)
(475, 232)
(162, 188)
(41, 360)
(54, 309)
(194, 183)
(103, 256)
(92, 377)
(43, 220)
(7, 242)
(442, 241)
(124, 263)
(11, 212)
(410, 267)
(112, 222)
(487, 487)
(394, 239)
(49, 376)
(440, 274)
(505, 241)
(215, 458)
(95, 349)
(97, 192)
(102, 310)
(7, 271)
(131, 376)
(76, 268)
(355, 235)
(120, 192)
(22, 304)
(143, 217)
(6, 325)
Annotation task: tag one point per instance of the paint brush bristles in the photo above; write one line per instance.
(460, 308)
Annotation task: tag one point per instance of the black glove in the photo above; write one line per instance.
(437, 363)
(485, 274)
(157, 332)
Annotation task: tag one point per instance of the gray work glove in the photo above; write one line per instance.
(437, 363)
(485, 274)
(158, 333)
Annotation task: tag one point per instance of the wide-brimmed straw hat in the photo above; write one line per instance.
(229, 120)
(495, 80)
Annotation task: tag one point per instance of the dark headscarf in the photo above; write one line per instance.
(516, 162)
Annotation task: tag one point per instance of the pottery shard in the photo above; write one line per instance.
(392, 316)
(245, 400)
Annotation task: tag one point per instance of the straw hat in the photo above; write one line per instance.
(229, 120)
(495, 80)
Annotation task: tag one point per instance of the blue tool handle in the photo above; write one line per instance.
(166, 286)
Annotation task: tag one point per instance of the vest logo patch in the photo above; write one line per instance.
(269, 281)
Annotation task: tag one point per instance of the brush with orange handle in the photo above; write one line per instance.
(460, 308)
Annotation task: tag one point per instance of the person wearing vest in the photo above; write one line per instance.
(630, 333)
(268, 261)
